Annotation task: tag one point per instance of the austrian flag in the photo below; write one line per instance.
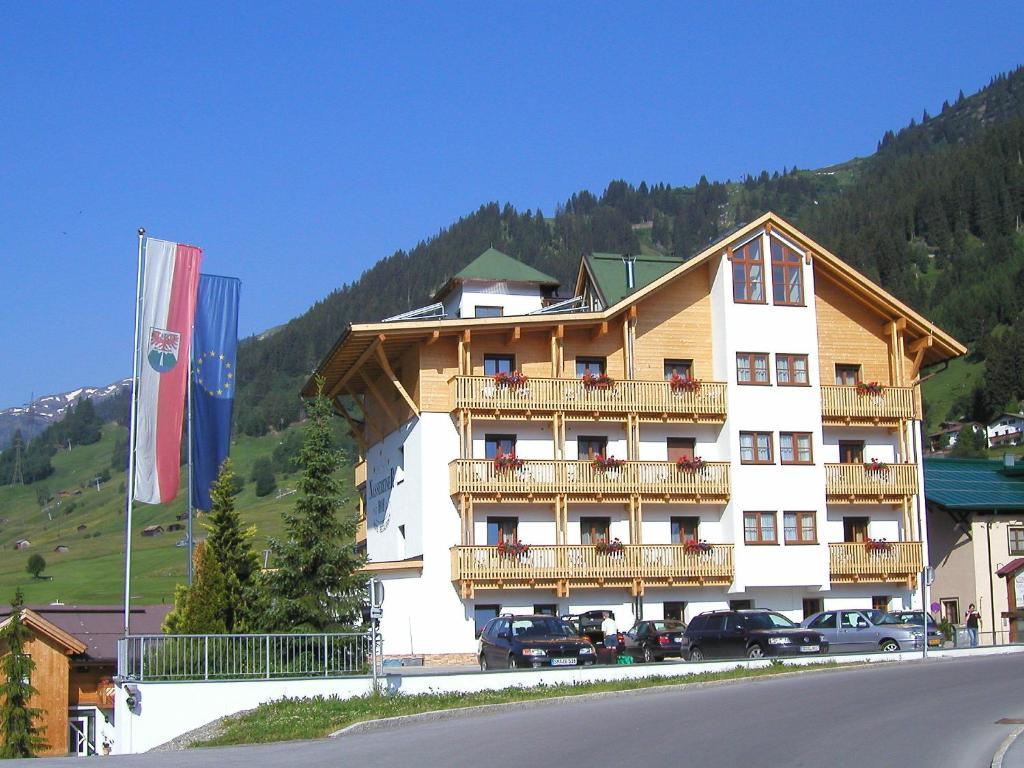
(170, 279)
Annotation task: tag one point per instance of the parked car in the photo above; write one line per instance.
(753, 633)
(588, 624)
(935, 636)
(654, 640)
(864, 631)
(507, 642)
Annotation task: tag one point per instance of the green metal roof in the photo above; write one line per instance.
(979, 484)
(610, 273)
(492, 264)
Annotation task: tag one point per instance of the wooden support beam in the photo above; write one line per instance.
(357, 365)
(515, 335)
(390, 373)
(433, 337)
(633, 312)
(599, 330)
(354, 426)
(381, 401)
(921, 344)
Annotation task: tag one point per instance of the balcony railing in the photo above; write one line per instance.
(895, 561)
(844, 405)
(858, 482)
(649, 399)
(578, 565)
(543, 477)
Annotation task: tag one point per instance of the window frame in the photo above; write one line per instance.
(790, 358)
(761, 539)
(593, 522)
(786, 266)
(585, 360)
(750, 358)
(502, 532)
(500, 310)
(798, 517)
(498, 439)
(673, 606)
(602, 439)
(796, 460)
(741, 257)
(495, 357)
(1010, 530)
(680, 362)
(847, 368)
(754, 447)
(678, 525)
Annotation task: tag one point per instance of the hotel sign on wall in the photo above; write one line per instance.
(378, 498)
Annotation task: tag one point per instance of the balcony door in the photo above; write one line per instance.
(855, 529)
(494, 445)
(847, 375)
(684, 529)
(851, 451)
(594, 530)
(502, 529)
(589, 447)
(592, 365)
(495, 364)
(681, 448)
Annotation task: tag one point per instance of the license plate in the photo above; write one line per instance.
(933, 641)
(676, 639)
(563, 662)
(810, 648)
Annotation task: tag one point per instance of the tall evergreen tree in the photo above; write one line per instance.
(970, 443)
(19, 735)
(200, 609)
(315, 585)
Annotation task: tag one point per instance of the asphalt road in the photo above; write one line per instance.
(935, 713)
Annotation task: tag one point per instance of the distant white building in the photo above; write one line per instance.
(1005, 429)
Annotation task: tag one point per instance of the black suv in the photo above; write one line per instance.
(752, 633)
(510, 641)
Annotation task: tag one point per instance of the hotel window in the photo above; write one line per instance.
(791, 370)
(756, 448)
(488, 311)
(591, 365)
(752, 368)
(847, 375)
(880, 602)
(495, 364)
(799, 527)
(759, 528)
(504, 529)
(545, 609)
(495, 444)
(787, 276)
(1016, 541)
(482, 614)
(589, 447)
(594, 529)
(851, 451)
(684, 529)
(682, 368)
(748, 273)
(674, 610)
(795, 448)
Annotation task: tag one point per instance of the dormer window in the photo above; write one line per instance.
(483, 311)
(787, 275)
(748, 273)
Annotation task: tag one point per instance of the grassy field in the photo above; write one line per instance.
(92, 570)
(290, 719)
(943, 389)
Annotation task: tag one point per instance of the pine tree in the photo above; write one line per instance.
(231, 547)
(315, 584)
(970, 444)
(19, 735)
(200, 609)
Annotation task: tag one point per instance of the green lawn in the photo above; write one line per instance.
(946, 386)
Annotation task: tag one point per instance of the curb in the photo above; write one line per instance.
(997, 758)
(380, 724)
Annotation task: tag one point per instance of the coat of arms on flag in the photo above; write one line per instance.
(162, 352)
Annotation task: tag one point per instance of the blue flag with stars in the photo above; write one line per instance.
(214, 347)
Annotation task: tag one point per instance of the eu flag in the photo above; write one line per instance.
(214, 378)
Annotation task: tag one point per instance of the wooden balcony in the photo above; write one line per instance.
(857, 483)
(651, 400)
(561, 567)
(854, 562)
(544, 478)
(844, 406)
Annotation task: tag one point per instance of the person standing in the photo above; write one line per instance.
(973, 621)
(610, 631)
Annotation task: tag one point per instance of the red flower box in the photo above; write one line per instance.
(684, 383)
(597, 381)
(506, 461)
(607, 462)
(697, 546)
(613, 547)
(513, 549)
(511, 380)
(873, 388)
(878, 545)
(687, 464)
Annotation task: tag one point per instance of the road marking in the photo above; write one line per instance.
(997, 758)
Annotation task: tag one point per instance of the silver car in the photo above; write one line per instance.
(864, 631)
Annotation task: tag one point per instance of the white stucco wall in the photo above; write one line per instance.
(513, 298)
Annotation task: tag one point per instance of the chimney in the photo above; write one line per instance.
(629, 262)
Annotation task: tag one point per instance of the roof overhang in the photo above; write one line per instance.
(72, 645)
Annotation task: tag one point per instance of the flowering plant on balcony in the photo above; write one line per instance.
(513, 549)
(695, 546)
(877, 467)
(613, 547)
(872, 388)
(505, 461)
(607, 462)
(878, 545)
(597, 381)
(690, 463)
(510, 379)
(684, 383)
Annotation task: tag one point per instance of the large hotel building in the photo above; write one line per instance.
(742, 428)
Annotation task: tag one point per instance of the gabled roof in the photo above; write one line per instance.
(493, 265)
(972, 484)
(72, 646)
(607, 272)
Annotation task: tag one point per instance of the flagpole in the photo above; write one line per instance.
(189, 524)
(131, 442)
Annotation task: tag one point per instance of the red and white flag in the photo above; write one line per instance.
(170, 281)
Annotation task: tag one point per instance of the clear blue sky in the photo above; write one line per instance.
(298, 143)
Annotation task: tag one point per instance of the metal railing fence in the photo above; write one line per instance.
(242, 657)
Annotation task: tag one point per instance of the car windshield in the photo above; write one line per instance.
(542, 626)
(768, 621)
(913, 617)
(668, 626)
